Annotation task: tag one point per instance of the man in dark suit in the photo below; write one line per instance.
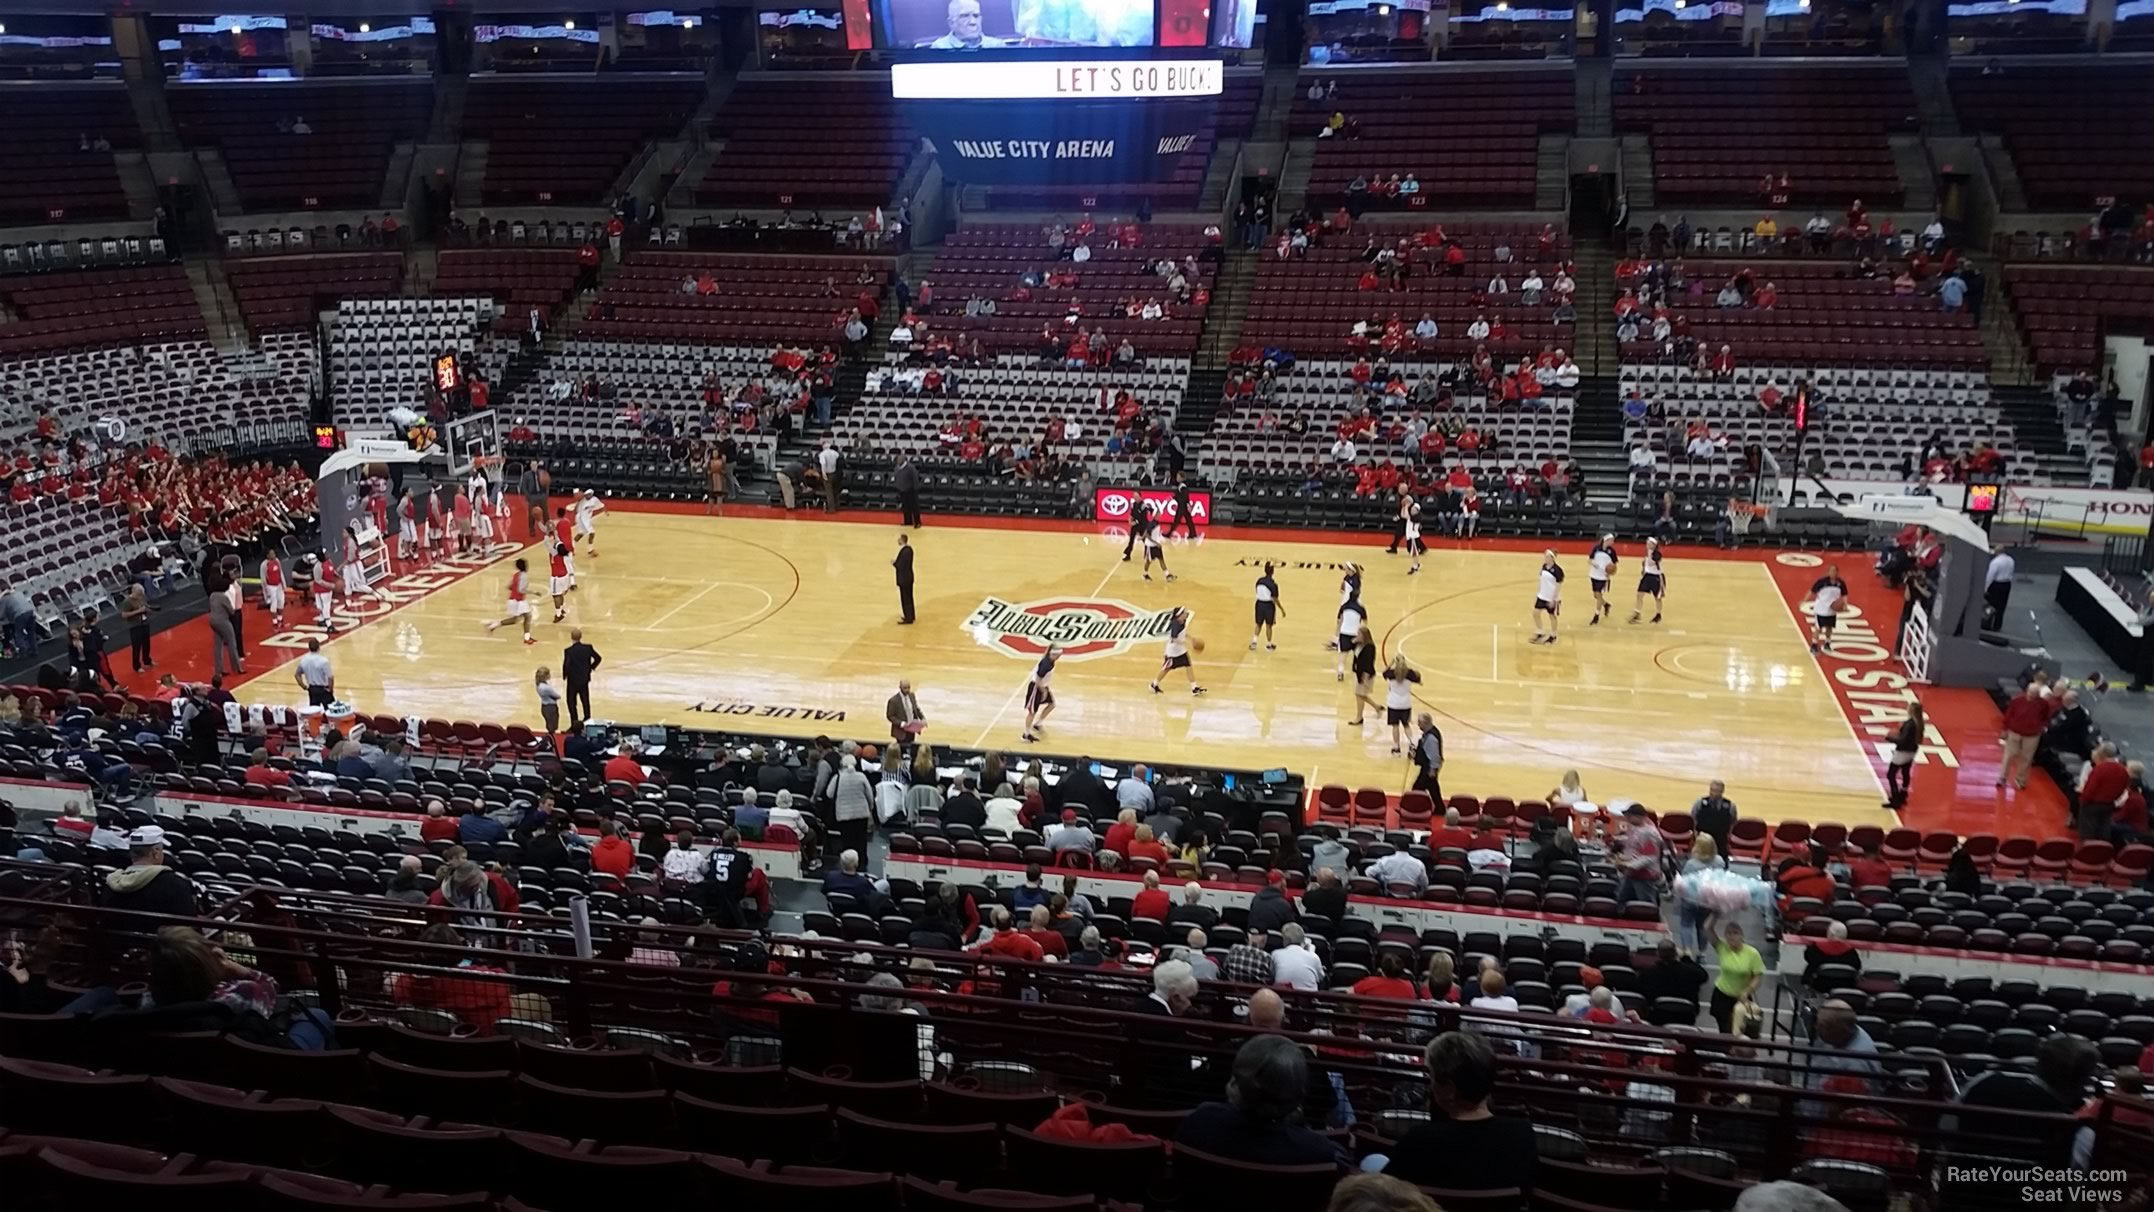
(903, 564)
(902, 709)
(1140, 518)
(907, 480)
(578, 662)
(1182, 519)
(1081, 789)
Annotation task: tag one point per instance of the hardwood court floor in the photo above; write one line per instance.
(790, 626)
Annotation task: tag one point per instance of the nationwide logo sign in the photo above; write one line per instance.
(1083, 628)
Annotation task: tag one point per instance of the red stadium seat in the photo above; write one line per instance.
(1901, 847)
(1936, 850)
(2015, 856)
(2131, 866)
(1747, 839)
(2091, 862)
(2052, 859)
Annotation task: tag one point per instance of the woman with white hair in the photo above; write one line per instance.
(1832, 951)
(1174, 987)
(852, 802)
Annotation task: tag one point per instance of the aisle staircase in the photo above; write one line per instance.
(2036, 428)
(1593, 342)
(1231, 290)
(1597, 442)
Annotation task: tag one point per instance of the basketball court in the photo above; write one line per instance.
(789, 625)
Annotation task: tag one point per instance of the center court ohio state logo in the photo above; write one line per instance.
(1083, 627)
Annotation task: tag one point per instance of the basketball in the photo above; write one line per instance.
(1196, 645)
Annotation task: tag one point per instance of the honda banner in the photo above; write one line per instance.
(1114, 504)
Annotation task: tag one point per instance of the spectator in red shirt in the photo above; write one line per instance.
(438, 826)
(612, 855)
(2130, 823)
(1868, 870)
(1043, 934)
(2024, 719)
(624, 767)
(1153, 902)
(1389, 980)
(72, 822)
(269, 776)
(476, 1001)
(1144, 845)
(1453, 836)
(1007, 942)
(2106, 784)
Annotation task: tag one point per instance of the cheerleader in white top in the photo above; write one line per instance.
(1039, 694)
(1652, 582)
(1600, 567)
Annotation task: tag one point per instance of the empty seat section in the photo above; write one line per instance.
(1470, 137)
(2066, 157)
(861, 145)
(1717, 132)
(353, 129)
(565, 142)
(285, 292)
(50, 168)
(99, 307)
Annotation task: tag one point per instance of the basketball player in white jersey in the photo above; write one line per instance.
(1349, 590)
(1548, 599)
(1400, 514)
(1268, 610)
(1652, 582)
(1154, 551)
(1040, 694)
(588, 507)
(1827, 595)
(324, 584)
(482, 506)
(1600, 566)
(354, 567)
(1352, 616)
(1410, 522)
(519, 607)
(1400, 679)
(1177, 656)
(1364, 674)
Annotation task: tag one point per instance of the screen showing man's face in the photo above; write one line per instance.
(965, 20)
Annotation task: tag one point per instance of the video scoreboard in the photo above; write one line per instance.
(1055, 92)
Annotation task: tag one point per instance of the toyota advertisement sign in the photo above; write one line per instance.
(1115, 504)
